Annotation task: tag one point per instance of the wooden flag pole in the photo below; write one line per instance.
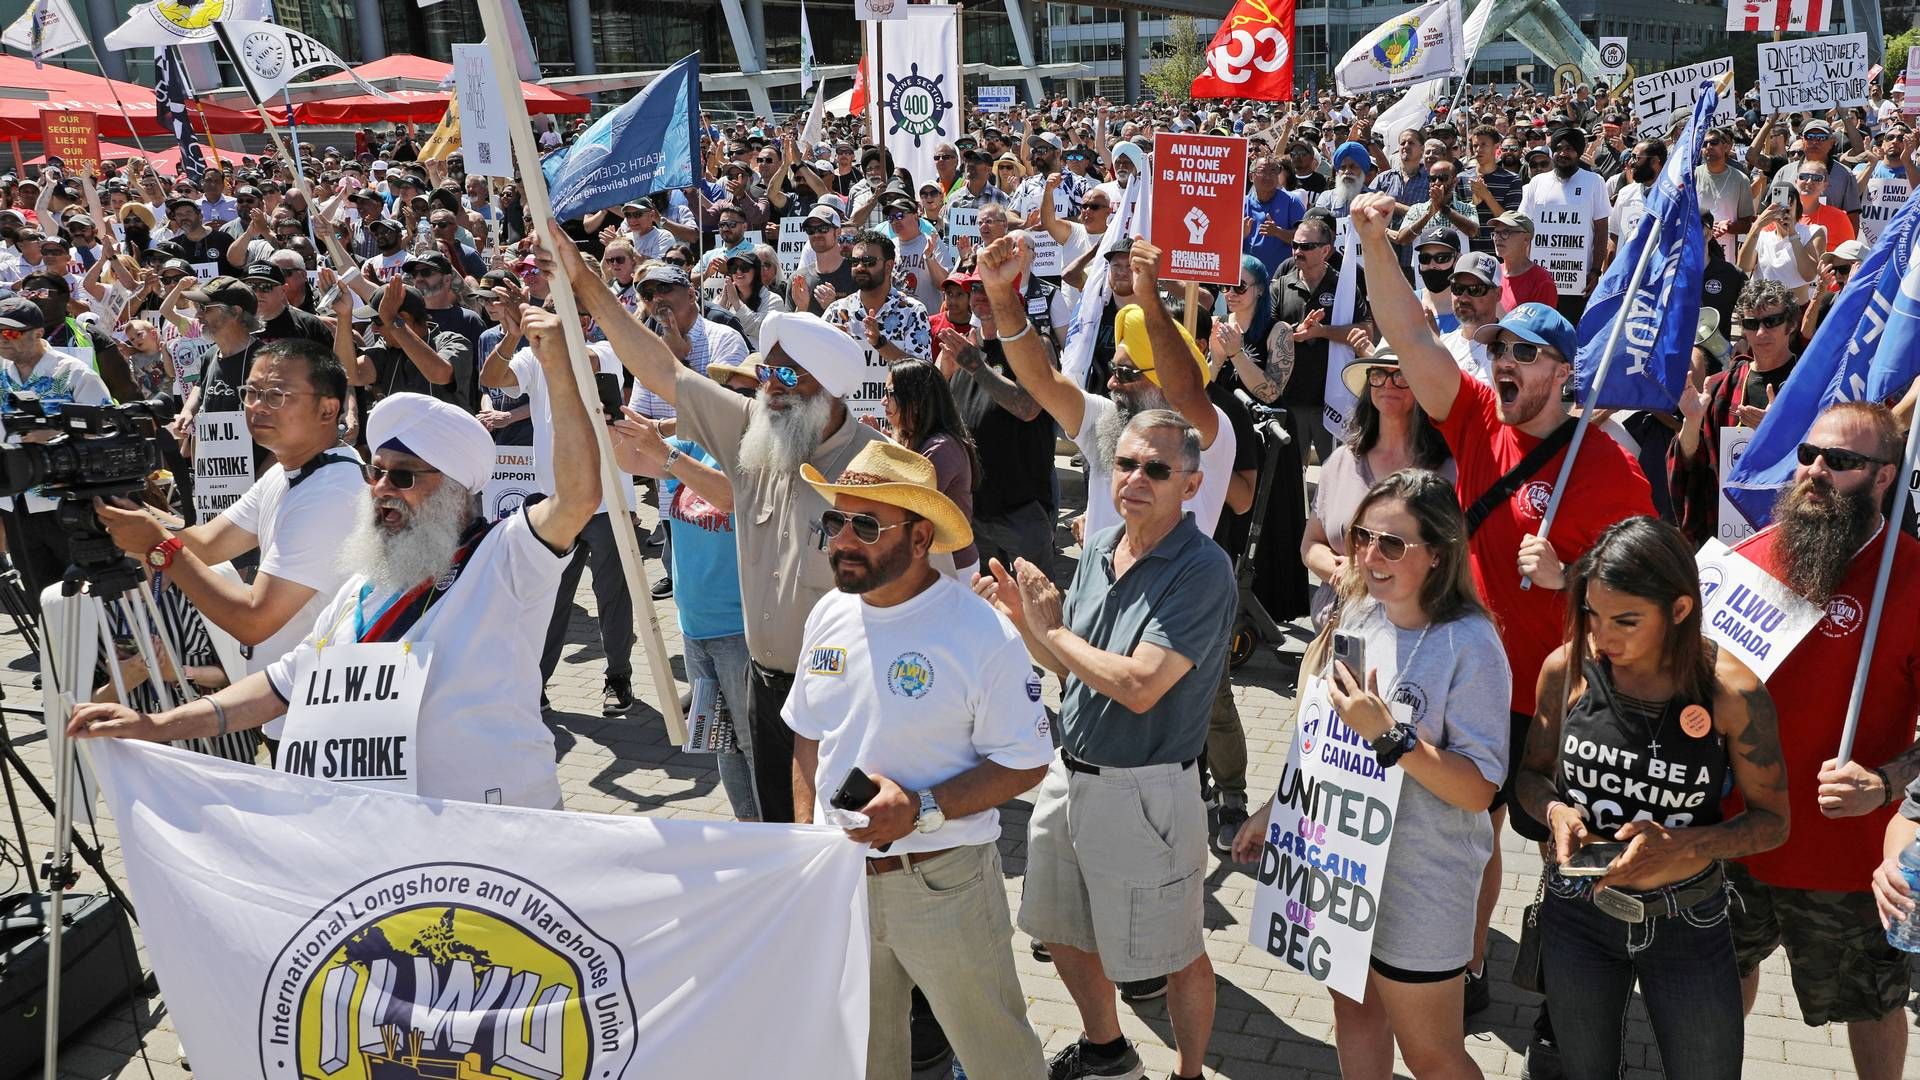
(539, 203)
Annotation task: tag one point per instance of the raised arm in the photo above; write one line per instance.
(640, 350)
(1001, 266)
(1427, 364)
(577, 487)
(1180, 375)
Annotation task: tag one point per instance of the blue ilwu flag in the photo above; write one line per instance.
(1865, 350)
(1643, 316)
(649, 144)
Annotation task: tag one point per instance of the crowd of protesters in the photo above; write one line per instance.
(852, 452)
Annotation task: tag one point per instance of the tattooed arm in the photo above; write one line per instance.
(1005, 393)
(1280, 360)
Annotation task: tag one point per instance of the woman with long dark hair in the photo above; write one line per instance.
(1640, 722)
(1387, 432)
(746, 298)
(924, 419)
(1440, 714)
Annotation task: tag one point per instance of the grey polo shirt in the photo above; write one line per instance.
(1180, 596)
(776, 518)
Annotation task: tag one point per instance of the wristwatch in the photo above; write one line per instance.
(673, 455)
(1394, 743)
(160, 556)
(931, 818)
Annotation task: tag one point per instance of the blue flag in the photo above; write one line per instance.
(1865, 350)
(649, 144)
(1655, 348)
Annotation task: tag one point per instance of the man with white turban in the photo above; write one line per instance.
(428, 569)
(799, 416)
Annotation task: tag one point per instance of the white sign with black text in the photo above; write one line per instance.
(1748, 611)
(1814, 74)
(222, 462)
(1662, 97)
(514, 480)
(355, 713)
(791, 244)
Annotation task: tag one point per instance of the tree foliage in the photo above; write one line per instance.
(1178, 60)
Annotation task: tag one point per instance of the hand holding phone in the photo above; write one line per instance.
(1593, 859)
(1351, 649)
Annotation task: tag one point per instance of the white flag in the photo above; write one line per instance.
(269, 57)
(1424, 43)
(163, 23)
(816, 116)
(806, 51)
(59, 31)
(918, 90)
(1416, 104)
(303, 928)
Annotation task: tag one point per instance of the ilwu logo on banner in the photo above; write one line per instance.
(305, 930)
(919, 86)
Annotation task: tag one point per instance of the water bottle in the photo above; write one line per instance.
(1905, 934)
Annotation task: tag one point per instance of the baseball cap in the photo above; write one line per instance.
(1820, 127)
(963, 280)
(1050, 138)
(223, 290)
(368, 195)
(1439, 236)
(179, 201)
(1122, 248)
(666, 274)
(20, 313)
(264, 272)
(414, 303)
(824, 212)
(1514, 219)
(1849, 251)
(1536, 323)
(386, 223)
(1478, 264)
(434, 261)
(379, 165)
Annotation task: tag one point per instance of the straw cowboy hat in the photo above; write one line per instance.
(889, 473)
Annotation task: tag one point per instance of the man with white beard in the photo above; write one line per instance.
(799, 416)
(1352, 169)
(430, 572)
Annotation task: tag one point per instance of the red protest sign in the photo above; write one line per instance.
(1199, 193)
(73, 137)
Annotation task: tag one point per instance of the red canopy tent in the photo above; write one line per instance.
(69, 89)
(411, 106)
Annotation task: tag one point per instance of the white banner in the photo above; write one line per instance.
(1748, 611)
(301, 928)
(1412, 47)
(162, 24)
(1664, 96)
(1734, 526)
(793, 243)
(877, 10)
(483, 113)
(222, 461)
(1340, 400)
(997, 97)
(1328, 834)
(269, 57)
(1814, 74)
(59, 30)
(1613, 58)
(1882, 199)
(918, 90)
(514, 480)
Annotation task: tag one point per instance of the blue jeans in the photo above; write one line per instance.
(725, 660)
(1688, 980)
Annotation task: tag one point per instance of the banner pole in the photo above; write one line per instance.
(1599, 379)
(1192, 313)
(533, 184)
(115, 91)
(1891, 527)
(299, 170)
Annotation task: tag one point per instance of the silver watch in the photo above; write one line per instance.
(931, 817)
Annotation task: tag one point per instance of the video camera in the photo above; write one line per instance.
(104, 451)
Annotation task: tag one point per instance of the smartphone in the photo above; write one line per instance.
(858, 790)
(1351, 650)
(610, 401)
(1592, 860)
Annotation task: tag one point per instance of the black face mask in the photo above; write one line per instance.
(1437, 281)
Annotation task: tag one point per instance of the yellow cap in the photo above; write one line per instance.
(1130, 330)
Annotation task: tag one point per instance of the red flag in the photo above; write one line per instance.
(857, 105)
(1251, 56)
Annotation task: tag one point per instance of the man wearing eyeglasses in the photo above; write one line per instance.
(297, 514)
(1725, 189)
(732, 239)
(1474, 288)
(825, 275)
(917, 264)
(280, 320)
(1271, 214)
(888, 322)
(976, 188)
(1736, 397)
(402, 351)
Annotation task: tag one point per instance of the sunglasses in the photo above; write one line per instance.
(1127, 373)
(816, 230)
(399, 478)
(675, 260)
(1812, 178)
(1837, 459)
(1094, 207)
(1816, 136)
(1239, 288)
(648, 292)
(786, 376)
(1770, 322)
(1308, 245)
(897, 215)
(1437, 259)
(1155, 470)
(1524, 352)
(10, 334)
(866, 527)
(1472, 288)
(1392, 548)
(943, 157)
(1381, 376)
(616, 260)
(865, 260)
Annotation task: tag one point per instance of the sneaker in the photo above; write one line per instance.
(1231, 818)
(930, 1047)
(1075, 1062)
(1479, 996)
(1040, 952)
(662, 588)
(1543, 1061)
(616, 697)
(1144, 989)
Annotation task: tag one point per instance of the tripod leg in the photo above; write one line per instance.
(19, 823)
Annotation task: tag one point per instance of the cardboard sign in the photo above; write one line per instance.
(484, 142)
(996, 97)
(514, 480)
(1048, 260)
(1199, 188)
(1613, 58)
(1662, 97)
(1734, 527)
(73, 136)
(222, 461)
(1562, 242)
(1748, 611)
(355, 713)
(1814, 74)
(963, 221)
(1328, 835)
(792, 244)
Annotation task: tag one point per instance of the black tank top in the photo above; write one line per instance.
(1622, 763)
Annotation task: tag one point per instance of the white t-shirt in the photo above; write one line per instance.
(1628, 207)
(301, 528)
(919, 693)
(480, 735)
(1563, 213)
(384, 268)
(1468, 353)
(1216, 469)
(533, 382)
